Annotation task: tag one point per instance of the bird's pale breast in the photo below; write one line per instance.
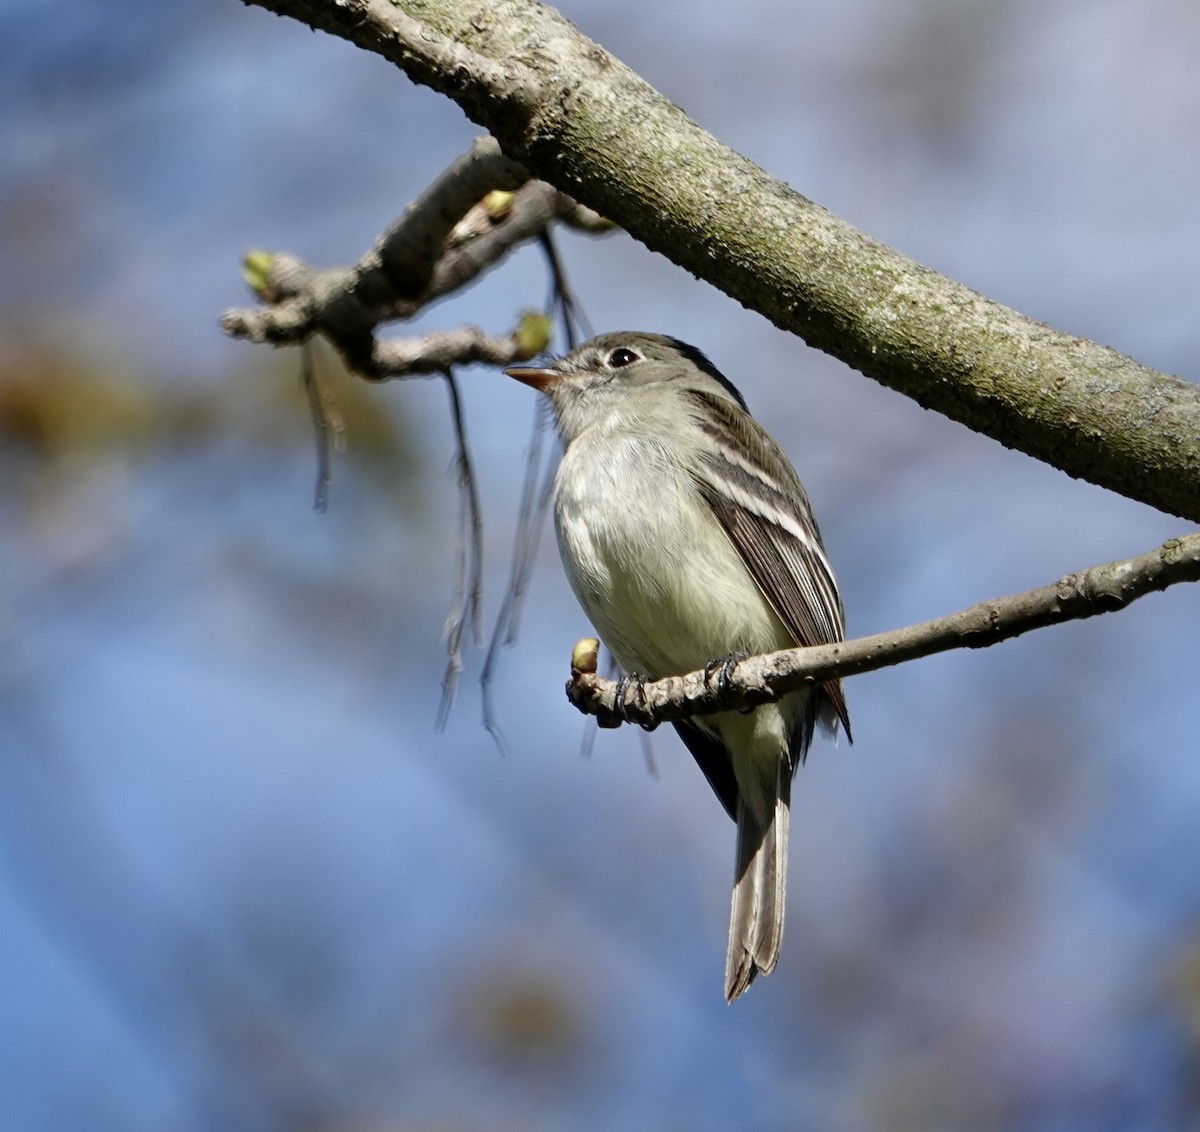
(637, 537)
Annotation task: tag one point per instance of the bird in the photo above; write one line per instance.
(688, 540)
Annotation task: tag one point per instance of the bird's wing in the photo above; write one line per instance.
(762, 506)
(712, 757)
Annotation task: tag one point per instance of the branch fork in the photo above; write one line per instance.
(480, 209)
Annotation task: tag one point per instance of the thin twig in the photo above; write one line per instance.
(467, 602)
(762, 679)
(530, 520)
(562, 296)
(535, 504)
(530, 529)
(432, 353)
(328, 426)
(647, 753)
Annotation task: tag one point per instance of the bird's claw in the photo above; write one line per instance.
(635, 711)
(720, 670)
(718, 673)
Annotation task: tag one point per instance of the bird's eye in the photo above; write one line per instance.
(622, 357)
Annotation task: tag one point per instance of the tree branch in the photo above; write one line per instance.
(575, 116)
(434, 353)
(442, 242)
(404, 257)
(762, 679)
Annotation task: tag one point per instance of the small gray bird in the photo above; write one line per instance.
(687, 538)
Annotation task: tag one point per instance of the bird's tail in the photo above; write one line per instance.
(759, 889)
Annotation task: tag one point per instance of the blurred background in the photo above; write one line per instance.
(244, 881)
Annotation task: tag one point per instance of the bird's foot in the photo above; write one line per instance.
(629, 700)
(718, 674)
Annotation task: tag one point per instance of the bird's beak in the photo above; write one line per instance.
(539, 377)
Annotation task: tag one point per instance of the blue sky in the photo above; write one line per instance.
(244, 882)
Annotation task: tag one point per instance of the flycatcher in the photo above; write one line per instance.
(688, 538)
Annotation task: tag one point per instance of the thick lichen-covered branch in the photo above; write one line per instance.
(579, 119)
